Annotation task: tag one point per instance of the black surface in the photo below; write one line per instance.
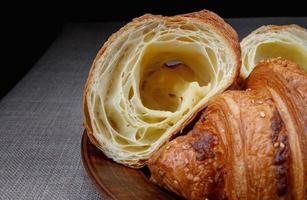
(24, 43)
(30, 27)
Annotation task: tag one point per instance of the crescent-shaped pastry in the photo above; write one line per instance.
(247, 144)
(287, 84)
(229, 154)
(152, 77)
(286, 41)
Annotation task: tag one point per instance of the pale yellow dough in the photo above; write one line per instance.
(135, 101)
(289, 41)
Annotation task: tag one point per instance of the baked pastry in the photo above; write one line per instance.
(152, 77)
(287, 85)
(287, 41)
(247, 144)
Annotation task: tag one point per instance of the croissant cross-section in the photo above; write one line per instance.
(286, 41)
(152, 77)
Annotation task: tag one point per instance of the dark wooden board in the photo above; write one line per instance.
(115, 181)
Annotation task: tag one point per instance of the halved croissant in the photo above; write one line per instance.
(135, 99)
(287, 41)
(247, 144)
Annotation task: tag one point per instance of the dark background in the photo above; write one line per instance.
(30, 28)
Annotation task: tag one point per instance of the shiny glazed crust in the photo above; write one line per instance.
(114, 143)
(247, 145)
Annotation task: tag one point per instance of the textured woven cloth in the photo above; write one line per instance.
(41, 118)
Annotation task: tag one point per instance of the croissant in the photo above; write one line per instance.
(152, 77)
(247, 144)
(287, 41)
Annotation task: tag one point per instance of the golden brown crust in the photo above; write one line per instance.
(287, 83)
(214, 21)
(183, 164)
(259, 142)
(269, 28)
(220, 151)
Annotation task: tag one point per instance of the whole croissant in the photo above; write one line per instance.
(248, 144)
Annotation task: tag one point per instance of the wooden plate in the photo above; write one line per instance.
(115, 181)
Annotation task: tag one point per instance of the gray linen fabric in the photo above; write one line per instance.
(41, 118)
